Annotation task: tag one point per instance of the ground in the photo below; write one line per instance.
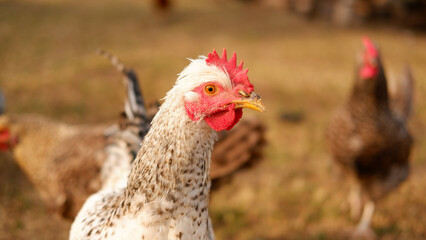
(299, 67)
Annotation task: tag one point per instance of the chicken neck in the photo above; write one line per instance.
(174, 159)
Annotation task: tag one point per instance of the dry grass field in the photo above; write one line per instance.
(49, 66)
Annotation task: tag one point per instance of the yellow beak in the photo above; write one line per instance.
(252, 101)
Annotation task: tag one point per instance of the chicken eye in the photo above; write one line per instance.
(210, 89)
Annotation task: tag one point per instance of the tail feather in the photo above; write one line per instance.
(401, 92)
(124, 141)
(134, 105)
(113, 59)
(134, 96)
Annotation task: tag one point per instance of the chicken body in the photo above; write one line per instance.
(371, 144)
(368, 139)
(167, 189)
(67, 163)
(166, 196)
(52, 155)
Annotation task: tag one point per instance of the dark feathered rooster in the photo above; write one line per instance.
(368, 137)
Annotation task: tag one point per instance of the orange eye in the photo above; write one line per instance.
(210, 89)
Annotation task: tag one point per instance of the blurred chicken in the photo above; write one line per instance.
(162, 7)
(55, 158)
(368, 137)
(227, 158)
(67, 163)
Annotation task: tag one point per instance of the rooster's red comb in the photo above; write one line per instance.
(236, 73)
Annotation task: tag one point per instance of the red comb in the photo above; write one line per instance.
(370, 49)
(370, 68)
(236, 73)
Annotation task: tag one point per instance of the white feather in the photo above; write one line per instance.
(191, 96)
(199, 72)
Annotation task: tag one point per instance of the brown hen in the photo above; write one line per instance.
(368, 137)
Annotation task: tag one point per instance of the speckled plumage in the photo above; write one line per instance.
(166, 196)
(67, 163)
(169, 189)
(369, 140)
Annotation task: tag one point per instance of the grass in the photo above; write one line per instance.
(49, 66)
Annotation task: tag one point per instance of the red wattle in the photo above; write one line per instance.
(4, 140)
(224, 120)
(238, 115)
(4, 135)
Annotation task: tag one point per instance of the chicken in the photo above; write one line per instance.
(68, 163)
(100, 156)
(163, 8)
(226, 159)
(51, 154)
(368, 137)
(167, 192)
(161, 5)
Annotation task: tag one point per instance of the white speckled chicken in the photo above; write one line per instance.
(368, 137)
(166, 196)
(67, 163)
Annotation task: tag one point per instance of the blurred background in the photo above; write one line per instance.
(301, 56)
